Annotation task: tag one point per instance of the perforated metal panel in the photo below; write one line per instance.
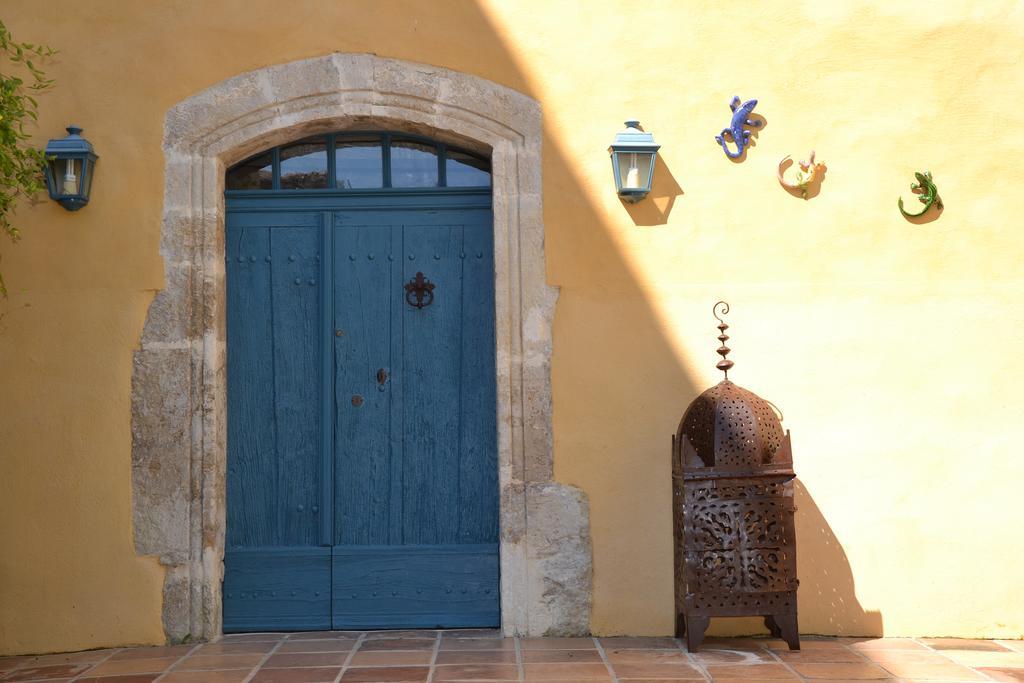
(731, 427)
(733, 514)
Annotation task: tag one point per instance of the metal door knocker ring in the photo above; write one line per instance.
(419, 291)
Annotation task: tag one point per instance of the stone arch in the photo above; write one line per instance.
(179, 409)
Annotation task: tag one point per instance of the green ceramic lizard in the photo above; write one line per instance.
(928, 196)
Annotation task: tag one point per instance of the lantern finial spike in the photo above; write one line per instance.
(722, 307)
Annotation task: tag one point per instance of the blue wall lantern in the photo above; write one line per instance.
(633, 154)
(70, 163)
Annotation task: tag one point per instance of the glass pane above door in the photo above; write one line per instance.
(304, 165)
(256, 173)
(358, 163)
(413, 164)
(466, 170)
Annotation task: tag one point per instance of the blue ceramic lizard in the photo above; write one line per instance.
(739, 118)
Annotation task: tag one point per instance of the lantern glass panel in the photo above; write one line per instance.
(88, 167)
(634, 170)
(66, 175)
(53, 176)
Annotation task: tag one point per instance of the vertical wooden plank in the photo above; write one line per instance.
(478, 448)
(432, 348)
(275, 574)
(362, 273)
(295, 281)
(327, 407)
(396, 391)
(252, 460)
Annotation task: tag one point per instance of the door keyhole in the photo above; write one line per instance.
(382, 378)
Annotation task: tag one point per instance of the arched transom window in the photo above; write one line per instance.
(360, 161)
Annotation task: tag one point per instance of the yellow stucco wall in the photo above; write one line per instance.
(891, 347)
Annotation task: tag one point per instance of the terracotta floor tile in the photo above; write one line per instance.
(1017, 645)
(327, 645)
(1006, 658)
(308, 675)
(235, 648)
(656, 670)
(8, 663)
(85, 657)
(806, 644)
(155, 652)
(128, 678)
(392, 658)
(750, 671)
(322, 635)
(647, 656)
(1008, 675)
(396, 635)
(846, 671)
(541, 656)
(566, 672)
(719, 643)
(251, 637)
(712, 655)
(476, 657)
(883, 644)
(200, 662)
(829, 655)
(622, 643)
(916, 656)
(32, 673)
(476, 672)
(669, 680)
(133, 666)
(397, 674)
(963, 644)
(398, 644)
(557, 643)
(477, 644)
(285, 661)
(947, 671)
(473, 633)
(232, 676)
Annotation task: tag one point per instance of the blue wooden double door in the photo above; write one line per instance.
(362, 458)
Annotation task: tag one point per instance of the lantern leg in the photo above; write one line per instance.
(784, 626)
(695, 626)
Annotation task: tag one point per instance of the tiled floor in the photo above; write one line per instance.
(428, 656)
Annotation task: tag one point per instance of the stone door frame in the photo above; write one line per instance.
(179, 395)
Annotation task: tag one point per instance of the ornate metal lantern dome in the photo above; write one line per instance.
(730, 427)
(735, 540)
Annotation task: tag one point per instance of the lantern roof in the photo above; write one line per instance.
(633, 139)
(72, 144)
(731, 429)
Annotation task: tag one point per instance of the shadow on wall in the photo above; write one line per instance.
(656, 207)
(826, 581)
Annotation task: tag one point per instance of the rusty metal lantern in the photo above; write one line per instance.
(735, 542)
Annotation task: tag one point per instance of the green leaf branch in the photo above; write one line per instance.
(21, 165)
